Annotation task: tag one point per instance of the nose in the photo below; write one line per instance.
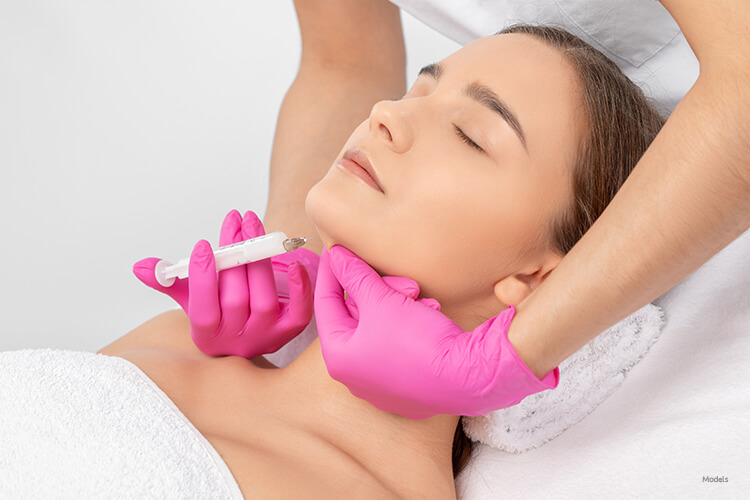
(391, 122)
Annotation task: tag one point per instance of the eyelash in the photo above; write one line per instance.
(466, 139)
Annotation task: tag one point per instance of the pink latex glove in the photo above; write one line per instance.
(247, 310)
(405, 357)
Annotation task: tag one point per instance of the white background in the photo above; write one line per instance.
(128, 130)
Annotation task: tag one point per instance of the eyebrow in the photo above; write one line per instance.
(484, 96)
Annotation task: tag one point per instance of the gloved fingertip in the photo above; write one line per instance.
(339, 252)
(144, 263)
(231, 229)
(355, 275)
(337, 258)
(403, 285)
(250, 215)
(235, 219)
(233, 214)
(292, 272)
(144, 270)
(252, 227)
(301, 279)
(432, 303)
(296, 270)
(203, 247)
(202, 254)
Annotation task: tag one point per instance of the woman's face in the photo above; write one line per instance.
(464, 173)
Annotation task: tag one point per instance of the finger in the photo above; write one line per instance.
(205, 313)
(144, 271)
(299, 311)
(234, 296)
(229, 228)
(406, 286)
(261, 284)
(252, 227)
(431, 303)
(333, 318)
(281, 263)
(359, 280)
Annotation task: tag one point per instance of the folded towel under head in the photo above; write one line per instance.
(587, 378)
(83, 425)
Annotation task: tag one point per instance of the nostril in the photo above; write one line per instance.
(387, 132)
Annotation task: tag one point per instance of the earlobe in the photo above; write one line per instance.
(514, 288)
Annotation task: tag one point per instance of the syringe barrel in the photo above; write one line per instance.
(226, 257)
(252, 250)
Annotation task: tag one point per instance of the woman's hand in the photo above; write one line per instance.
(404, 356)
(239, 311)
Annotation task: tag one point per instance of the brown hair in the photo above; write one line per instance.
(622, 122)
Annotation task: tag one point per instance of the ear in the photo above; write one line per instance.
(515, 287)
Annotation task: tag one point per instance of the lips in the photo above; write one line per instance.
(357, 163)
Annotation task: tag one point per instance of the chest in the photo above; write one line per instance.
(255, 430)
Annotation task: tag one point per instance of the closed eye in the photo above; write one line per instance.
(466, 139)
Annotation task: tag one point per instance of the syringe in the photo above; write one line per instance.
(236, 254)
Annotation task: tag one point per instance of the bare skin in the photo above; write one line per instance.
(292, 432)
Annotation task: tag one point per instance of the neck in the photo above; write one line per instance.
(391, 444)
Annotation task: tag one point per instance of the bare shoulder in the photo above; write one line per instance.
(239, 409)
(169, 331)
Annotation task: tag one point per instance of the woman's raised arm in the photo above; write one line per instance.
(687, 198)
(352, 57)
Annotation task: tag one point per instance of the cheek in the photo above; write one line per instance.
(346, 214)
(458, 235)
(389, 235)
(437, 237)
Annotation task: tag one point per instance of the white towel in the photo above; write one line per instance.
(587, 378)
(678, 427)
(83, 425)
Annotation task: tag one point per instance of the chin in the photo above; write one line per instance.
(339, 224)
(324, 212)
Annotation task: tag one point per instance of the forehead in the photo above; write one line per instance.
(535, 80)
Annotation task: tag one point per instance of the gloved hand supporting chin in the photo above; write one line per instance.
(405, 357)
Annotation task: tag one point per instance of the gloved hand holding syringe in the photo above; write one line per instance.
(261, 300)
(229, 256)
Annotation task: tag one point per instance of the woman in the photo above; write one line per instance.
(445, 164)
(686, 200)
(519, 111)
